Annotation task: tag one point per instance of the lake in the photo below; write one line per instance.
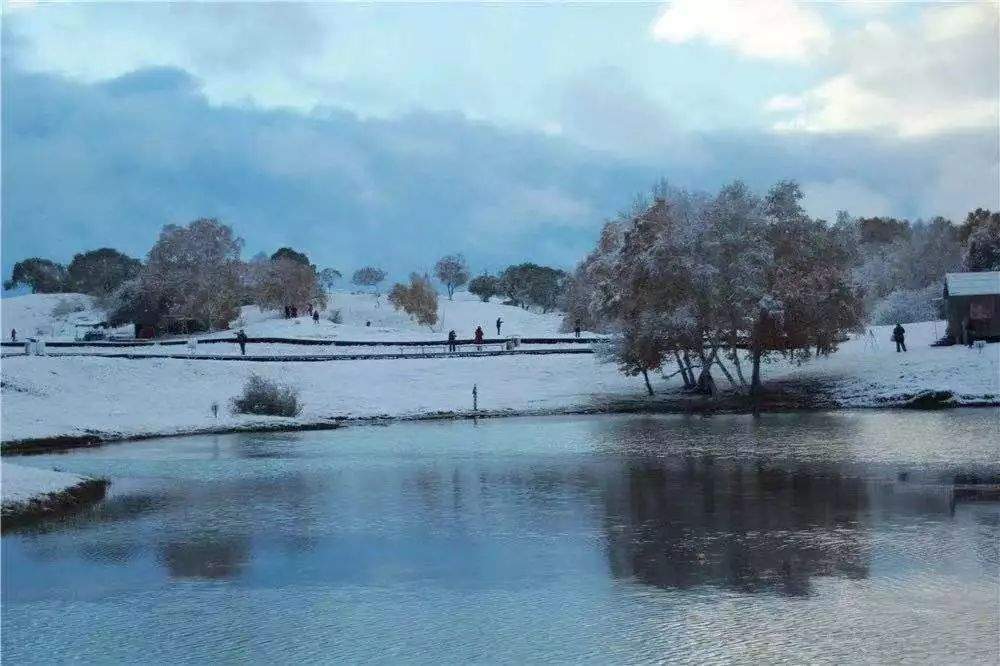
(818, 537)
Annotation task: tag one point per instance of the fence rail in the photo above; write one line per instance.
(324, 357)
(306, 342)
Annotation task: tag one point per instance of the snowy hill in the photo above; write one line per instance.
(462, 314)
(53, 316)
(47, 315)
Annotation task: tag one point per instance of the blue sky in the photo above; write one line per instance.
(394, 133)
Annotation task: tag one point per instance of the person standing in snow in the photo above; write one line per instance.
(452, 336)
(899, 337)
(241, 340)
(479, 338)
(13, 335)
(315, 316)
(499, 324)
(576, 328)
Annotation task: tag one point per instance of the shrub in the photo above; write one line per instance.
(261, 396)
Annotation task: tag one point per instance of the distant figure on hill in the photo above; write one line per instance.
(576, 328)
(13, 335)
(368, 323)
(899, 337)
(315, 316)
(241, 340)
(499, 324)
(451, 340)
(479, 338)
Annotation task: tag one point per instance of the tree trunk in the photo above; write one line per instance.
(690, 367)
(649, 387)
(688, 380)
(725, 370)
(736, 359)
(755, 379)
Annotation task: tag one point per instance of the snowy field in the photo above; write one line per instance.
(19, 484)
(32, 315)
(109, 397)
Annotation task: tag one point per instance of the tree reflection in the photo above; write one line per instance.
(206, 556)
(744, 526)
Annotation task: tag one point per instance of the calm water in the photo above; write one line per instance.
(602, 539)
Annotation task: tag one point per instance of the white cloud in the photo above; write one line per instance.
(770, 29)
(936, 75)
(784, 103)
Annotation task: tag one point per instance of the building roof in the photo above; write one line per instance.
(973, 284)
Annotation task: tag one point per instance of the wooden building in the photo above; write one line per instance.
(972, 305)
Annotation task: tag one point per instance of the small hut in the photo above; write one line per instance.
(972, 304)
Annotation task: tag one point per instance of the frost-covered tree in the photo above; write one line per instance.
(452, 271)
(291, 255)
(287, 281)
(982, 248)
(43, 276)
(100, 272)
(907, 305)
(369, 276)
(530, 284)
(485, 287)
(194, 271)
(418, 299)
(692, 280)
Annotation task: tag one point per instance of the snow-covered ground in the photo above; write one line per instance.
(32, 315)
(49, 316)
(20, 484)
(52, 396)
(356, 310)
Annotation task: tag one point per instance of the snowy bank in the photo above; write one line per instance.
(28, 492)
(100, 398)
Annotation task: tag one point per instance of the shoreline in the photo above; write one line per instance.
(672, 403)
(48, 505)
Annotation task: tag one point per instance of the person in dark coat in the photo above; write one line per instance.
(13, 335)
(451, 340)
(315, 316)
(576, 328)
(241, 340)
(479, 337)
(899, 337)
(499, 324)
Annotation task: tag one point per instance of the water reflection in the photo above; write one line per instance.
(743, 527)
(206, 555)
(621, 536)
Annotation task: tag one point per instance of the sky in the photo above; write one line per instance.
(394, 133)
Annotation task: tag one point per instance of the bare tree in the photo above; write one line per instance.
(369, 276)
(328, 278)
(452, 271)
